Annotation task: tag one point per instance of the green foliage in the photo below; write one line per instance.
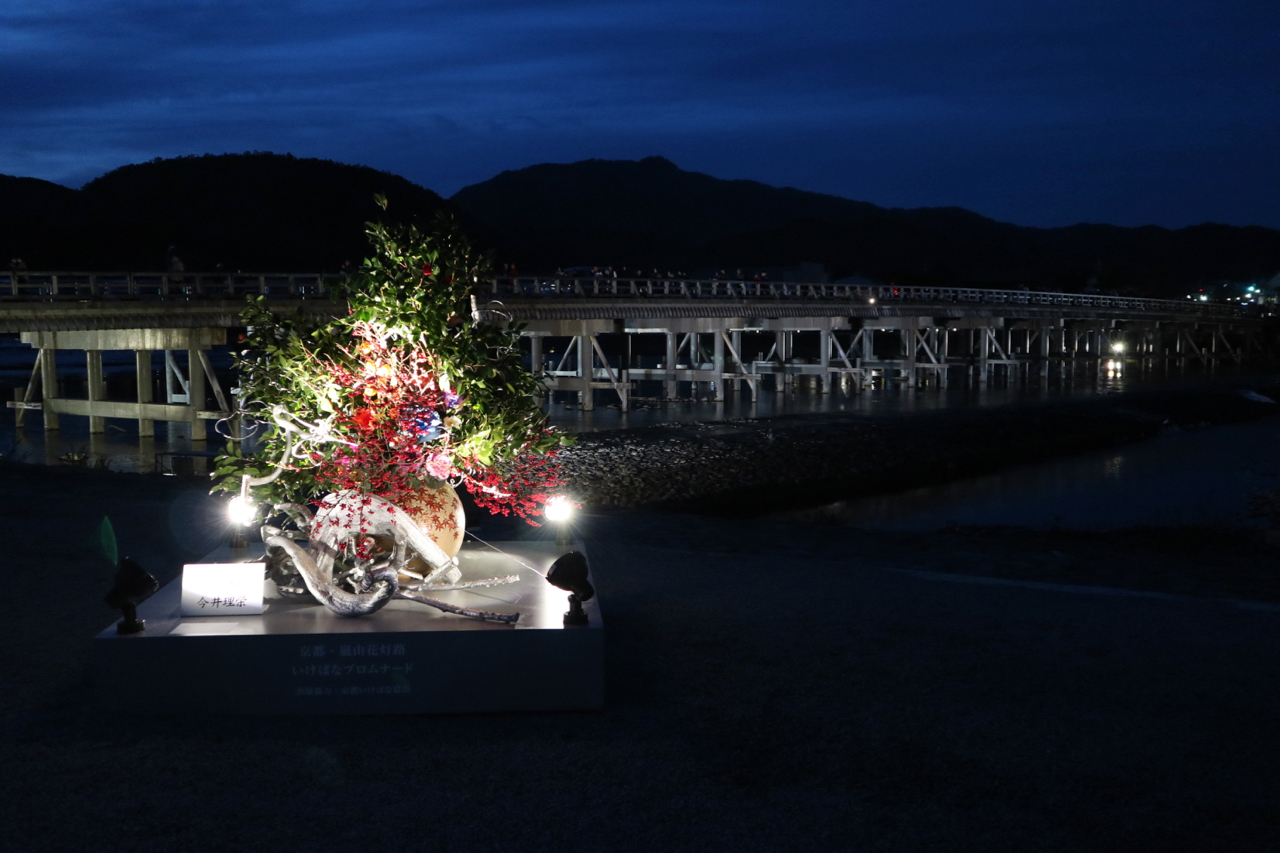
(107, 541)
(418, 291)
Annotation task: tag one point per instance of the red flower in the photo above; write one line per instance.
(364, 420)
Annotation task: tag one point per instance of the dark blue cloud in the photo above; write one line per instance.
(1041, 113)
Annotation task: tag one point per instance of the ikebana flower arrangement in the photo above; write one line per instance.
(374, 415)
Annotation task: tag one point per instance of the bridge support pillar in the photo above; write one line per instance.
(142, 372)
(49, 384)
(186, 396)
(176, 388)
(749, 374)
(945, 374)
(1045, 332)
(536, 364)
(984, 354)
(910, 343)
(824, 350)
(586, 373)
(781, 379)
(671, 386)
(868, 355)
(97, 389)
(717, 367)
(196, 394)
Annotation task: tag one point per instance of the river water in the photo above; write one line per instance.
(565, 413)
(1179, 478)
(120, 449)
(1197, 476)
(1201, 476)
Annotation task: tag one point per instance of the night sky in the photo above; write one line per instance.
(1038, 112)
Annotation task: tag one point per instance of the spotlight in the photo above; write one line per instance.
(241, 511)
(133, 586)
(558, 509)
(570, 573)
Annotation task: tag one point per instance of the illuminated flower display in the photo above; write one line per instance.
(411, 389)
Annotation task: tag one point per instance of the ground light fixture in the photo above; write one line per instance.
(241, 509)
(569, 573)
(559, 511)
(133, 586)
(240, 512)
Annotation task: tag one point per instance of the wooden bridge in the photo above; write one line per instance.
(588, 334)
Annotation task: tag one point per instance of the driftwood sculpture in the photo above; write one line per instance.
(358, 549)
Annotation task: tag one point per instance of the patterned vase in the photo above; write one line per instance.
(440, 515)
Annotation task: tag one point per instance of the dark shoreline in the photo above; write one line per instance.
(749, 468)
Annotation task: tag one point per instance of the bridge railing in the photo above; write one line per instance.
(39, 285)
(854, 293)
(25, 285)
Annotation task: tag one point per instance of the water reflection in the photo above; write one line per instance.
(121, 449)
(117, 449)
(1182, 478)
(565, 412)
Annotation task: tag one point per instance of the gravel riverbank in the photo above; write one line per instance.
(963, 690)
(746, 467)
(966, 691)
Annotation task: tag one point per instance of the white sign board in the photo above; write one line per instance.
(222, 589)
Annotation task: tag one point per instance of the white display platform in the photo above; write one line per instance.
(407, 658)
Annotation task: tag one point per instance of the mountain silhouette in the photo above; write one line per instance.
(651, 213)
(252, 212)
(269, 212)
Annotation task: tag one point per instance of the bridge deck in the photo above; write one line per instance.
(63, 301)
(705, 324)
